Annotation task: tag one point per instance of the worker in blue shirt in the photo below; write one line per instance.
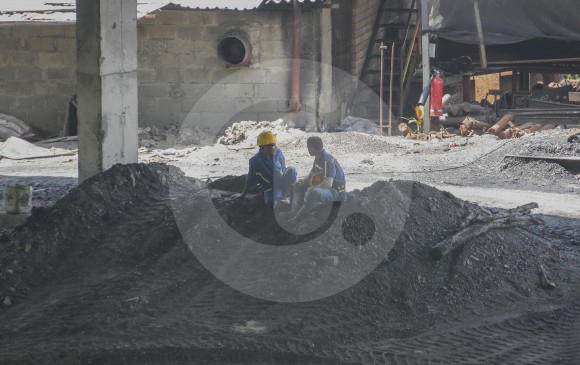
(268, 171)
(324, 184)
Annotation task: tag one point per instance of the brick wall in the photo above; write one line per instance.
(37, 73)
(181, 77)
(183, 80)
(364, 16)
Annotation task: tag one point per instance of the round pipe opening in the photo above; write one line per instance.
(235, 50)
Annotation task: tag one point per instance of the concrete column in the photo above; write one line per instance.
(107, 84)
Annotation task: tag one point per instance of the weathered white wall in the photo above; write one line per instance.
(107, 80)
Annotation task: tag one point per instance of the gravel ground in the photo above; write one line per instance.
(473, 168)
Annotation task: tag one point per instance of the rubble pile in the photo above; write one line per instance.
(108, 275)
(246, 132)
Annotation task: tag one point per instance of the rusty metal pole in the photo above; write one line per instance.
(466, 88)
(297, 45)
(382, 48)
(391, 89)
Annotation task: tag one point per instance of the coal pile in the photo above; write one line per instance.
(120, 271)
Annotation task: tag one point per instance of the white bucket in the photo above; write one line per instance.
(18, 199)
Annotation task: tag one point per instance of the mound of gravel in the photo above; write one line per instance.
(245, 133)
(107, 275)
(547, 143)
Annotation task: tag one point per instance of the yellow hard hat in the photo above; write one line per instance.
(266, 138)
(419, 111)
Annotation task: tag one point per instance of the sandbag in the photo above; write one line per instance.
(13, 127)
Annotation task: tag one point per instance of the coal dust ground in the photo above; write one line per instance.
(107, 275)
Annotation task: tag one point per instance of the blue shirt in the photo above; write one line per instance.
(262, 169)
(328, 166)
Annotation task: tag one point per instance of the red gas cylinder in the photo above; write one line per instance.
(436, 96)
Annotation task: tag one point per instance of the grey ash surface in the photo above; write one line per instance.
(104, 276)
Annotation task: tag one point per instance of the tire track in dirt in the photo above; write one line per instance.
(544, 337)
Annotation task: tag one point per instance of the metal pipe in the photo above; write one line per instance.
(382, 48)
(391, 89)
(574, 59)
(550, 113)
(425, 61)
(297, 46)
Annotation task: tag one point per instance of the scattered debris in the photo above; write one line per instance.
(504, 128)
(408, 133)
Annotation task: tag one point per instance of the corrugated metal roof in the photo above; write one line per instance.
(212, 4)
(237, 5)
(41, 10)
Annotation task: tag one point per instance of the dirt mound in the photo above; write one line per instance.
(107, 275)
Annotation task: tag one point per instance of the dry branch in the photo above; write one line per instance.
(516, 217)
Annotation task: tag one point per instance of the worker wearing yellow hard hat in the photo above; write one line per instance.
(269, 172)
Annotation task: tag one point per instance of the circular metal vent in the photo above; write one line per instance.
(235, 49)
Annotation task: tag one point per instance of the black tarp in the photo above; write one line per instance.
(505, 21)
